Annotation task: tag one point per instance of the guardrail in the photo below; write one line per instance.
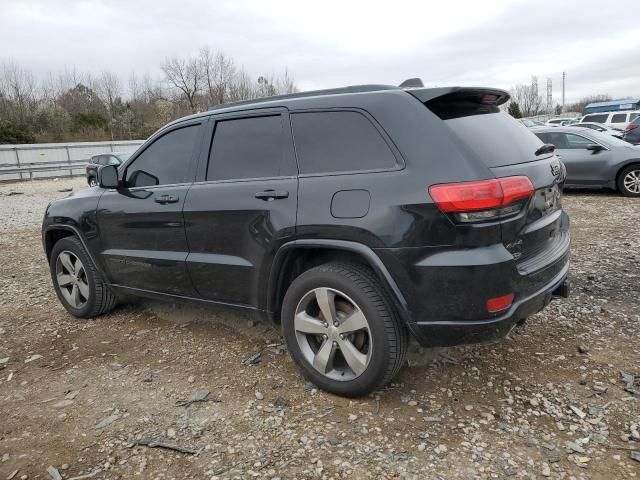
(46, 160)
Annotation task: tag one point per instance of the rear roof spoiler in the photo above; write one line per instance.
(479, 94)
(455, 102)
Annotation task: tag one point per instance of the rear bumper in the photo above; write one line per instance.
(446, 289)
(459, 332)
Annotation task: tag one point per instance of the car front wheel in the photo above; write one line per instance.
(629, 181)
(342, 330)
(76, 281)
(93, 182)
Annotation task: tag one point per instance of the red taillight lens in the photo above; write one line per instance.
(499, 304)
(480, 195)
(631, 126)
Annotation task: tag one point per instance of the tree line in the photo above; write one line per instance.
(78, 106)
(526, 101)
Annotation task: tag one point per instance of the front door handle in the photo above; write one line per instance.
(164, 199)
(268, 195)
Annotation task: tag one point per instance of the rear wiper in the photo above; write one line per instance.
(546, 148)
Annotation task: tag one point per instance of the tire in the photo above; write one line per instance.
(355, 292)
(629, 181)
(92, 182)
(87, 296)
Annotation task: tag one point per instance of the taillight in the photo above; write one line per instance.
(631, 126)
(484, 199)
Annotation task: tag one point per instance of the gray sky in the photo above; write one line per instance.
(331, 43)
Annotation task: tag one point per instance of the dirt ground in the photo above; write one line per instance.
(548, 401)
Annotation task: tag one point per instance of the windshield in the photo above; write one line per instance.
(123, 156)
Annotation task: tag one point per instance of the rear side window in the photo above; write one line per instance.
(619, 118)
(333, 142)
(166, 161)
(633, 116)
(598, 118)
(247, 148)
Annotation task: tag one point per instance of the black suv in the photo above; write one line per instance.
(352, 219)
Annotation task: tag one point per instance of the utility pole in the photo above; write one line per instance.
(549, 97)
(564, 80)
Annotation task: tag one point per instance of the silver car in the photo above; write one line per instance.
(595, 159)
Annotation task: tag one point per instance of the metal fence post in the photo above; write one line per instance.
(69, 160)
(15, 149)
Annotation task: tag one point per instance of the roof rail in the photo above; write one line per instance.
(311, 93)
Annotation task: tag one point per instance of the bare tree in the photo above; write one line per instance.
(528, 99)
(242, 88)
(109, 88)
(219, 73)
(185, 75)
(18, 93)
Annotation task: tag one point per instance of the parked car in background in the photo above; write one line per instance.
(111, 158)
(527, 122)
(595, 159)
(349, 219)
(617, 120)
(558, 122)
(632, 132)
(599, 127)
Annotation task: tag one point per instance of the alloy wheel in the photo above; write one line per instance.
(333, 334)
(631, 181)
(72, 279)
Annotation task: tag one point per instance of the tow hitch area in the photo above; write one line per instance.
(562, 290)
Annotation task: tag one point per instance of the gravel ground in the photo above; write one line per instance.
(548, 401)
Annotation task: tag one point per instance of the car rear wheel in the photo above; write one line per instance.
(76, 281)
(342, 330)
(629, 181)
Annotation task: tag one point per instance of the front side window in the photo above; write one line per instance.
(619, 118)
(575, 142)
(166, 161)
(247, 148)
(332, 142)
(598, 118)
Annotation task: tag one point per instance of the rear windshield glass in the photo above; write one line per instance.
(497, 138)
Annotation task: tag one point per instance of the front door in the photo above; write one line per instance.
(144, 245)
(243, 207)
(584, 167)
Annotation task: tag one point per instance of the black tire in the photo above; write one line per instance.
(388, 335)
(100, 299)
(622, 188)
(92, 181)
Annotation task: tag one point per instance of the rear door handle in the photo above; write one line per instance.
(164, 199)
(268, 195)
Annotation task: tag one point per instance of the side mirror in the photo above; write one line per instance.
(594, 147)
(108, 176)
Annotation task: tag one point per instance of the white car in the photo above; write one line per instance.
(600, 127)
(617, 120)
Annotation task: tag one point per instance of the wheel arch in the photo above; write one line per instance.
(297, 256)
(55, 232)
(635, 161)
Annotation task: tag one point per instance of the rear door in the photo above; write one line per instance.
(243, 206)
(141, 226)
